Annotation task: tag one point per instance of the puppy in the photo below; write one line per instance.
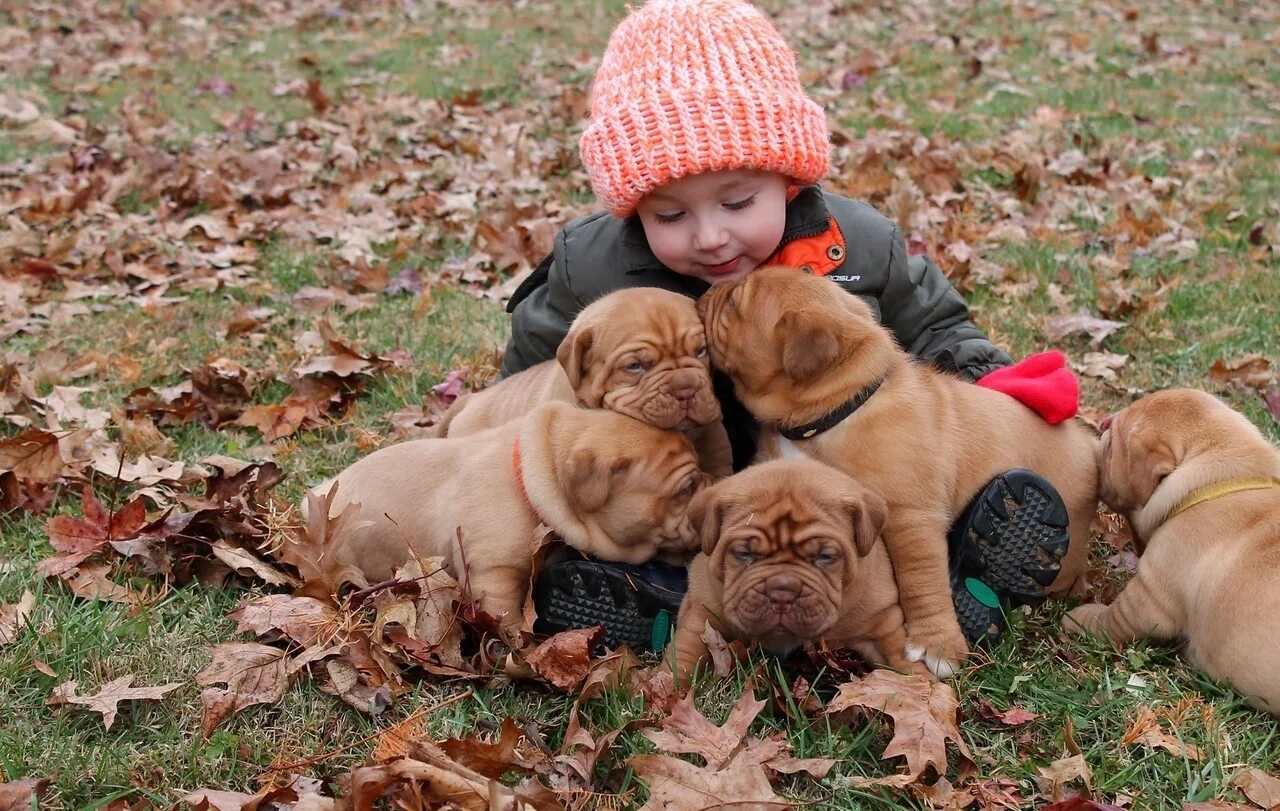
(639, 352)
(1201, 488)
(791, 553)
(610, 486)
(800, 349)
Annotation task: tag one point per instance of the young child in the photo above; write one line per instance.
(705, 152)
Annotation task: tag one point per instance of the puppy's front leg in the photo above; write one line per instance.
(500, 592)
(715, 455)
(1142, 610)
(917, 544)
(688, 648)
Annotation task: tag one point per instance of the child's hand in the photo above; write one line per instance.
(1041, 382)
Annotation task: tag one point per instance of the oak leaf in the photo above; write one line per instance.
(311, 550)
(106, 699)
(923, 712)
(253, 673)
(565, 658)
(305, 620)
(677, 785)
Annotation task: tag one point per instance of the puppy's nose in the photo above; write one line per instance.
(684, 385)
(782, 591)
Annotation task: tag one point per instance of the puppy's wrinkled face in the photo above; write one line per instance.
(642, 352)
(634, 484)
(808, 324)
(1144, 443)
(786, 537)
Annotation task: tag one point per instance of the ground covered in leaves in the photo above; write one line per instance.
(246, 243)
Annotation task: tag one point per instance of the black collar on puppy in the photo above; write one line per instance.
(832, 419)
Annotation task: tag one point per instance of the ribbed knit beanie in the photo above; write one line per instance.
(692, 86)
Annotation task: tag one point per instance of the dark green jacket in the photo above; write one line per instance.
(598, 254)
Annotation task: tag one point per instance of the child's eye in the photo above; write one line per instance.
(741, 204)
(669, 218)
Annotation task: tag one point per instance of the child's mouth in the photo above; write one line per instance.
(723, 269)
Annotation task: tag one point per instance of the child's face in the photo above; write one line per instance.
(716, 225)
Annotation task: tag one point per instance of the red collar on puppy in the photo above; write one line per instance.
(518, 466)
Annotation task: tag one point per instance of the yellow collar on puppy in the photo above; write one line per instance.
(1222, 489)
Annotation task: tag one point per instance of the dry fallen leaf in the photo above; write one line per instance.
(1054, 778)
(923, 712)
(1058, 327)
(1252, 371)
(106, 699)
(254, 674)
(565, 658)
(1261, 788)
(307, 550)
(677, 785)
(1146, 729)
(14, 616)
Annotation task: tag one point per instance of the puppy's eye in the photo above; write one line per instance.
(635, 367)
(689, 489)
(745, 555)
(825, 559)
(700, 352)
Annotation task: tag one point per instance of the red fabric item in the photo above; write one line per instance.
(1041, 382)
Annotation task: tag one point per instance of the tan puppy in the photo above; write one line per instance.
(799, 348)
(610, 486)
(1200, 485)
(791, 553)
(639, 352)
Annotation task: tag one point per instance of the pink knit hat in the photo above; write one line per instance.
(692, 86)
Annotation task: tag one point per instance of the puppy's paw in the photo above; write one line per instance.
(940, 651)
(1085, 619)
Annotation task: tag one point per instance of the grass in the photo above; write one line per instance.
(1195, 112)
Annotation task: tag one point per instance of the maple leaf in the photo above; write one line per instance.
(1014, 716)
(78, 538)
(14, 616)
(106, 699)
(253, 673)
(923, 712)
(308, 550)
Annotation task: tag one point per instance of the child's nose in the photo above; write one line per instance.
(709, 236)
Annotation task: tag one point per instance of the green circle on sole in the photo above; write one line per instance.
(982, 592)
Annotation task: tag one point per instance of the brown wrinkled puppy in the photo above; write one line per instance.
(1200, 486)
(610, 486)
(798, 347)
(791, 553)
(639, 352)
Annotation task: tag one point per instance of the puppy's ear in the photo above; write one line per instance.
(867, 511)
(809, 347)
(706, 510)
(1149, 461)
(589, 479)
(572, 355)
